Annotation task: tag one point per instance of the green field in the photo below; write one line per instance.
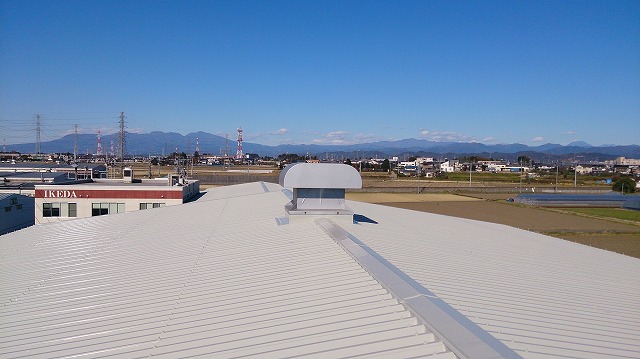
(565, 179)
(485, 177)
(617, 213)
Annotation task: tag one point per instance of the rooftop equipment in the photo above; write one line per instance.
(319, 188)
(127, 175)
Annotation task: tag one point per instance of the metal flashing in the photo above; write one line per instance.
(264, 187)
(461, 335)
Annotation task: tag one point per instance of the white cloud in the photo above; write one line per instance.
(538, 139)
(326, 141)
(489, 139)
(445, 136)
(345, 138)
(334, 138)
(570, 133)
(337, 134)
(135, 130)
(366, 137)
(281, 131)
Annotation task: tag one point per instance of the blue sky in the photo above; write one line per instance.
(325, 72)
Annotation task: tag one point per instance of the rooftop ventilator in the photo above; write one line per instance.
(319, 188)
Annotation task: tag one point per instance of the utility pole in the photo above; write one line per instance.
(521, 172)
(121, 138)
(575, 173)
(556, 189)
(418, 173)
(225, 163)
(75, 144)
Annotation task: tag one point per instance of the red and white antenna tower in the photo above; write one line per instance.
(198, 145)
(99, 150)
(239, 153)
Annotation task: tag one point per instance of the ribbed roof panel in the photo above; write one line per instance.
(541, 296)
(216, 278)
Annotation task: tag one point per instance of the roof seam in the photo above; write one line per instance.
(460, 335)
(185, 284)
(85, 257)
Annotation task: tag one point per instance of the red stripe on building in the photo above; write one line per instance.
(108, 193)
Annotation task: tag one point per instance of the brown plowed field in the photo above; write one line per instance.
(617, 236)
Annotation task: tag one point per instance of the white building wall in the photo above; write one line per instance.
(85, 206)
(131, 199)
(623, 161)
(447, 167)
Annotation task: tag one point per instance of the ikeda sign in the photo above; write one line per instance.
(50, 193)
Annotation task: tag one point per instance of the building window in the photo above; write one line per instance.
(57, 209)
(51, 209)
(99, 209)
(14, 200)
(151, 205)
(18, 206)
(7, 209)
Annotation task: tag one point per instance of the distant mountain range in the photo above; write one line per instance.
(158, 143)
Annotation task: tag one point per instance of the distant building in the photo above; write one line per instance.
(584, 169)
(405, 164)
(623, 161)
(424, 160)
(16, 212)
(80, 170)
(449, 166)
(56, 203)
(251, 157)
(493, 166)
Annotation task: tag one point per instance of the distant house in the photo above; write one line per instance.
(493, 166)
(622, 169)
(424, 160)
(406, 164)
(449, 165)
(584, 169)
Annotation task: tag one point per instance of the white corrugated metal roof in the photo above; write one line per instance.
(214, 278)
(226, 276)
(542, 296)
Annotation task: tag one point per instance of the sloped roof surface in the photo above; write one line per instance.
(215, 278)
(542, 296)
(226, 277)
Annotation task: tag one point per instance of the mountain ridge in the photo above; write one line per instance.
(158, 143)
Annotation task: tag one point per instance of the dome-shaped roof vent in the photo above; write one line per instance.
(319, 188)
